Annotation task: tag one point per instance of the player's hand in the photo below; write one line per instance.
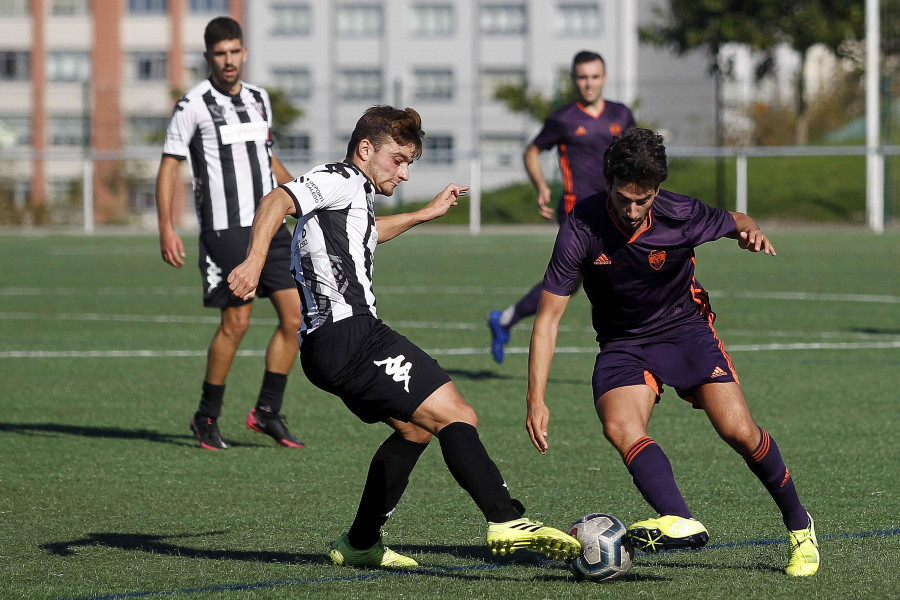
(536, 424)
(171, 248)
(444, 200)
(755, 241)
(544, 202)
(242, 281)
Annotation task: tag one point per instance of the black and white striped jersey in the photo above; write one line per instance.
(227, 140)
(334, 243)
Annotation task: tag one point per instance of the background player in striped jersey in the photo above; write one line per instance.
(581, 131)
(634, 246)
(379, 374)
(223, 128)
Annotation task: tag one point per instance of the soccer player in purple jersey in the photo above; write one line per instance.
(634, 246)
(581, 131)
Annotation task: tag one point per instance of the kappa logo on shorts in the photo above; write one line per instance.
(657, 259)
(394, 367)
(213, 275)
(718, 372)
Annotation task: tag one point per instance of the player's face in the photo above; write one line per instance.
(631, 204)
(226, 63)
(589, 78)
(389, 166)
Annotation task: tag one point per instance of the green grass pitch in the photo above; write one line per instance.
(105, 494)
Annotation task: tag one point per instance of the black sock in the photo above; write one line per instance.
(271, 394)
(211, 400)
(388, 477)
(476, 473)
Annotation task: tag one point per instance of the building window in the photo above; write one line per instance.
(148, 7)
(15, 8)
(438, 150)
(68, 131)
(219, 7)
(291, 19)
(146, 131)
(16, 127)
(493, 78)
(196, 66)
(432, 20)
(360, 20)
(298, 145)
(14, 65)
(68, 66)
(504, 19)
(69, 8)
(433, 84)
(578, 18)
(502, 149)
(297, 83)
(360, 84)
(148, 66)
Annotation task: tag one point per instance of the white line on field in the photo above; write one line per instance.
(894, 344)
(446, 290)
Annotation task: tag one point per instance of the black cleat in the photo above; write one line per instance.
(272, 425)
(207, 431)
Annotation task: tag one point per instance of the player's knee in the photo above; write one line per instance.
(620, 433)
(743, 437)
(235, 326)
(417, 435)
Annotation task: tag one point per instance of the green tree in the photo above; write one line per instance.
(519, 98)
(284, 113)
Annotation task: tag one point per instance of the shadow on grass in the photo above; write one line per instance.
(50, 429)
(484, 375)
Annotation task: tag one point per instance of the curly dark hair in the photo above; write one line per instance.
(636, 156)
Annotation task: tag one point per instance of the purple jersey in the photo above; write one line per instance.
(582, 139)
(643, 286)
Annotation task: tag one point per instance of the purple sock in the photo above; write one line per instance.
(767, 464)
(527, 305)
(652, 474)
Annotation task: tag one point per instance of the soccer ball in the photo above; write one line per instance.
(606, 551)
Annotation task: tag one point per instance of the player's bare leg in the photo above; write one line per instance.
(625, 413)
(280, 355)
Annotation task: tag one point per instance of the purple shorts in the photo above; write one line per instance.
(684, 359)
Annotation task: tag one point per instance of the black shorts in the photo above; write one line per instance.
(221, 251)
(377, 372)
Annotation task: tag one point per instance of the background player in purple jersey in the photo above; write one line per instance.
(222, 126)
(581, 132)
(634, 246)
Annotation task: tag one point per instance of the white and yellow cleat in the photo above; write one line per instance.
(378, 556)
(804, 559)
(506, 538)
(668, 532)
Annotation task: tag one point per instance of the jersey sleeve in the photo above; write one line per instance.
(270, 117)
(569, 251)
(550, 134)
(708, 223)
(322, 189)
(180, 129)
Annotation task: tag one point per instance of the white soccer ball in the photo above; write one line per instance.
(606, 551)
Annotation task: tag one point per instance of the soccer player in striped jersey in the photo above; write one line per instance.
(379, 374)
(222, 127)
(633, 244)
(581, 132)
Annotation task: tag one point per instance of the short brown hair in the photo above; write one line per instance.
(380, 123)
(221, 29)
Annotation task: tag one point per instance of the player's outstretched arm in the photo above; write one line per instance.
(170, 245)
(536, 173)
(749, 236)
(540, 355)
(391, 226)
(271, 212)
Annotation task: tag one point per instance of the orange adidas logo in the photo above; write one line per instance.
(718, 372)
(787, 475)
(602, 260)
(581, 131)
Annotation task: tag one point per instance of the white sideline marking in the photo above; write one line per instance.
(513, 292)
(435, 351)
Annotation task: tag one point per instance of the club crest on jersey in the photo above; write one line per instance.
(217, 112)
(581, 131)
(395, 367)
(615, 129)
(657, 259)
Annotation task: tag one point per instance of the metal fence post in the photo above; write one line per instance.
(475, 195)
(741, 182)
(87, 193)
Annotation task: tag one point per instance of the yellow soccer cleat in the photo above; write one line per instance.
(804, 552)
(668, 533)
(506, 538)
(379, 556)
